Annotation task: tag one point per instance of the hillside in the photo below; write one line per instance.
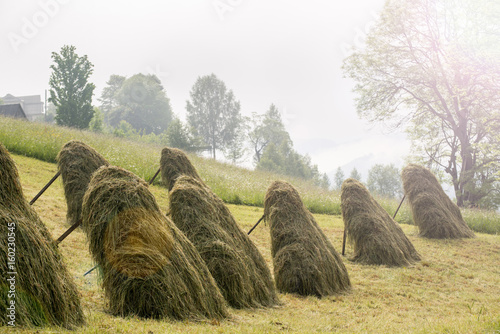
(453, 289)
(233, 184)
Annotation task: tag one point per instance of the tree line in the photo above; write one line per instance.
(137, 107)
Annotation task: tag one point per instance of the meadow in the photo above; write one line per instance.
(454, 289)
(235, 185)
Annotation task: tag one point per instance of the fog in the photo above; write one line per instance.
(284, 52)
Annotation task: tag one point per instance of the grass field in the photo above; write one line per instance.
(454, 289)
(233, 184)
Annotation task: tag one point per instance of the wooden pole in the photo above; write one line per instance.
(68, 231)
(154, 177)
(402, 200)
(258, 222)
(91, 270)
(45, 188)
(343, 241)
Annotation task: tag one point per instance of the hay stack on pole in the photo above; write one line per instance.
(173, 164)
(233, 260)
(149, 268)
(434, 213)
(376, 237)
(76, 162)
(45, 292)
(305, 261)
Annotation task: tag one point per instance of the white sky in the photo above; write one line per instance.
(284, 52)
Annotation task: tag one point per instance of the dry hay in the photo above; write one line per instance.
(175, 163)
(234, 261)
(376, 237)
(305, 261)
(149, 268)
(433, 212)
(45, 291)
(76, 162)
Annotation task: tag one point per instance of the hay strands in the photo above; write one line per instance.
(258, 222)
(68, 231)
(154, 177)
(400, 203)
(45, 188)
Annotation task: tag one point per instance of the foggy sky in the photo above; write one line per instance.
(284, 52)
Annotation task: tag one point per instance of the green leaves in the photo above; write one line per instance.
(70, 92)
(213, 112)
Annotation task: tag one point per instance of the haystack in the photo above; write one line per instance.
(234, 261)
(76, 162)
(376, 237)
(45, 292)
(175, 163)
(433, 212)
(305, 261)
(149, 268)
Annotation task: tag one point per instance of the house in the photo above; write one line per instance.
(32, 105)
(12, 110)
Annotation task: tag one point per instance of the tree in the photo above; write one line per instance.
(430, 65)
(96, 123)
(143, 103)
(267, 129)
(109, 95)
(179, 136)
(283, 159)
(213, 112)
(70, 92)
(355, 174)
(339, 178)
(385, 180)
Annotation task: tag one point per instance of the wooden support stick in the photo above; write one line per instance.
(45, 188)
(258, 222)
(402, 200)
(343, 241)
(68, 231)
(154, 177)
(91, 270)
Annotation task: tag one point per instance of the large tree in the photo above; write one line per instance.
(71, 92)
(142, 102)
(431, 65)
(213, 112)
(385, 180)
(109, 95)
(267, 129)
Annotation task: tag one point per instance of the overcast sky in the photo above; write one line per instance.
(284, 52)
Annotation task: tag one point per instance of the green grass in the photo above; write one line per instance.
(232, 184)
(454, 289)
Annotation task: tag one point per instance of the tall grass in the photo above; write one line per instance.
(233, 184)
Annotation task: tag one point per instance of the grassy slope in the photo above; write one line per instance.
(454, 289)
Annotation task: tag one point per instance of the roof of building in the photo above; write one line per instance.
(12, 110)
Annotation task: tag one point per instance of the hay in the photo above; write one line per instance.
(233, 260)
(305, 261)
(175, 163)
(76, 162)
(434, 213)
(45, 291)
(149, 268)
(376, 237)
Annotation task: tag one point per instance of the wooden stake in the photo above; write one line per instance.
(68, 231)
(258, 222)
(45, 188)
(91, 270)
(154, 177)
(343, 241)
(402, 200)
